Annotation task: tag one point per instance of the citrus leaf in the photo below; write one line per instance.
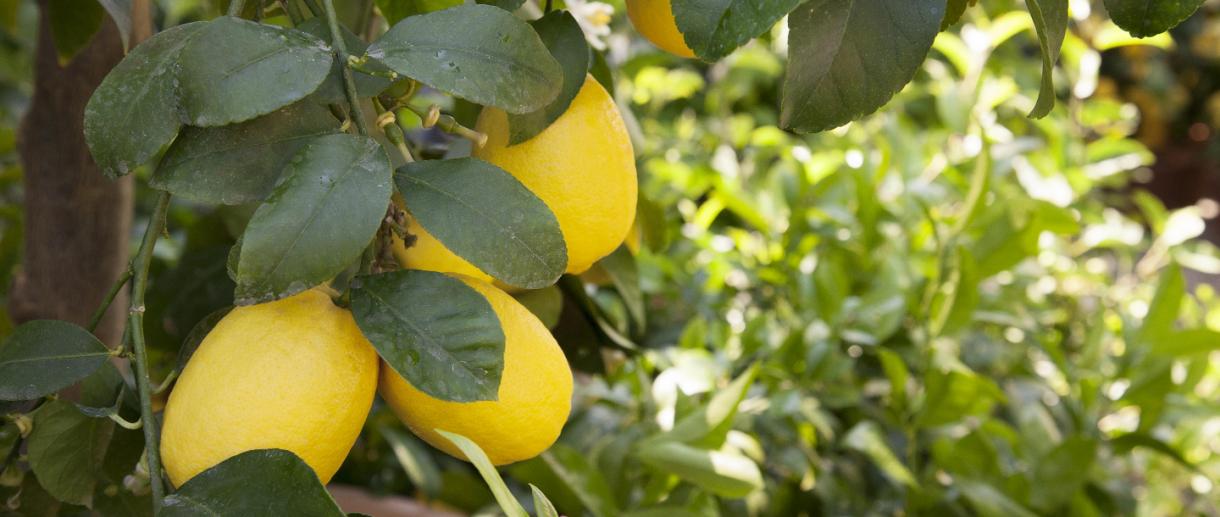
(332, 89)
(120, 12)
(867, 439)
(1062, 472)
(452, 350)
(66, 449)
(235, 70)
(395, 10)
(721, 473)
(829, 81)
(239, 163)
(471, 450)
(45, 356)
(542, 505)
(1144, 18)
(715, 28)
(709, 424)
(415, 459)
(484, 215)
(478, 52)
(545, 303)
(582, 478)
(258, 482)
(624, 274)
(318, 220)
(567, 44)
(72, 25)
(1050, 20)
(133, 114)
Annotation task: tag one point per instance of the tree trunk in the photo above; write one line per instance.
(77, 222)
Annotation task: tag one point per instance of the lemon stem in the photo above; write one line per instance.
(349, 82)
(235, 7)
(139, 354)
(109, 299)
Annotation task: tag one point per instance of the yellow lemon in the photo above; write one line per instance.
(582, 167)
(293, 374)
(428, 254)
(534, 399)
(655, 21)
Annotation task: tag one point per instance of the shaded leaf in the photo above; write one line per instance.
(715, 28)
(73, 23)
(258, 482)
(867, 439)
(1143, 18)
(1050, 19)
(582, 478)
(545, 303)
(45, 356)
(66, 449)
(332, 90)
(504, 497)
(724, 474)
(415, 459)
(452, 350)
(1062, 472)
(567, 44)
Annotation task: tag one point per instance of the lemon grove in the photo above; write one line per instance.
(373, 265)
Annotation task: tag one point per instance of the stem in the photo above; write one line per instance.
(349, 82)
(314, 8)
(109, 299)
(235, 7)
(139, 354)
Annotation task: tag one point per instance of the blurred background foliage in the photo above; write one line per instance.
(946, 308)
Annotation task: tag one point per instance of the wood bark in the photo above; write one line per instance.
(77, 221)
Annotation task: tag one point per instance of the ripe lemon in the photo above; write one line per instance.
(535, 393)
(582, 167)
(428, 254)
(293, 374)
(655, 21)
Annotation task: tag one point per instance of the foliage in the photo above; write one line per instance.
(937, 308)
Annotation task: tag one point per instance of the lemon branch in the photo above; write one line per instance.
(138, 353)
(109, 299)
(349, 82)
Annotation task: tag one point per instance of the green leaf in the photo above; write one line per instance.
(504, 497)
(120, 12)
(624, 274)
(415, 459)
(452, 350)
(990, 502)
(1144, 18)
(1050, 19)
(867, 439)
(484, 215)
(709, 425)
(235, 70)
(1124, 443)
(195, 337)
(66, 449)
(258, 482)
(1185, 343)
(133, 114)
(45, 356)
(1164, 308)
(73, 23)
(239, 163)
(542, 505)
(332, 89)
(721, 473)
(953, 308)
(954, 12)
(954, 395)
(715, 28)
(566, 42)
(102, 393)
(582, 478)
(477, 52)
(395, 10)
(545, 303)
(829, 83)
(318, 220)
(1063, 472)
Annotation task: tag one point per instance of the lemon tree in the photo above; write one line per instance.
(418, 202)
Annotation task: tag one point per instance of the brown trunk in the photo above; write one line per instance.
(76, 220)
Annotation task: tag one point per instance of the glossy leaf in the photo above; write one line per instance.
(1050, 19)
(452, 350)
(471, 450)
(239, 163)
(258, 482)
(565, 40)
(66, 449)
(318, 220)
(133, 114)
(331, 91)
(45, 356)
(721, 473)
(484, 215)
(235, 70)
(829, 81)
(715, 28)
(1143, 18)
(477, 52)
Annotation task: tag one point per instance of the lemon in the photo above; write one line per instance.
(655, 21)
(293, 374)
(428, 254)
(533, 400)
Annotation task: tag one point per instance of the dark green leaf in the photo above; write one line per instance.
(120, 12)
(1050, 19)
(416, 460)
(133, 114)
(545, 303)
(1123, 444)
(566, 41)
(331, 91)
(317, 221)
(66, 450)
(721, 473)
(471, 450)
(1143, 18)
(990, 502)
(484, 215)
(73, 23)
(452, 350)
(101, 394)
(830, 82)
(954, 12)
(1063, 472)
(239, 163)
(45, 356)
(582, 478)
(477, 52)
(395, 10)
(954, 395)
(259, 482)
(507, 5)
(620, 266)
(715, 28)
(235, 70)
(867, 439)
(196, 335)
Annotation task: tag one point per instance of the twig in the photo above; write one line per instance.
(236, 7)
(349, 82)
(109, 299)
